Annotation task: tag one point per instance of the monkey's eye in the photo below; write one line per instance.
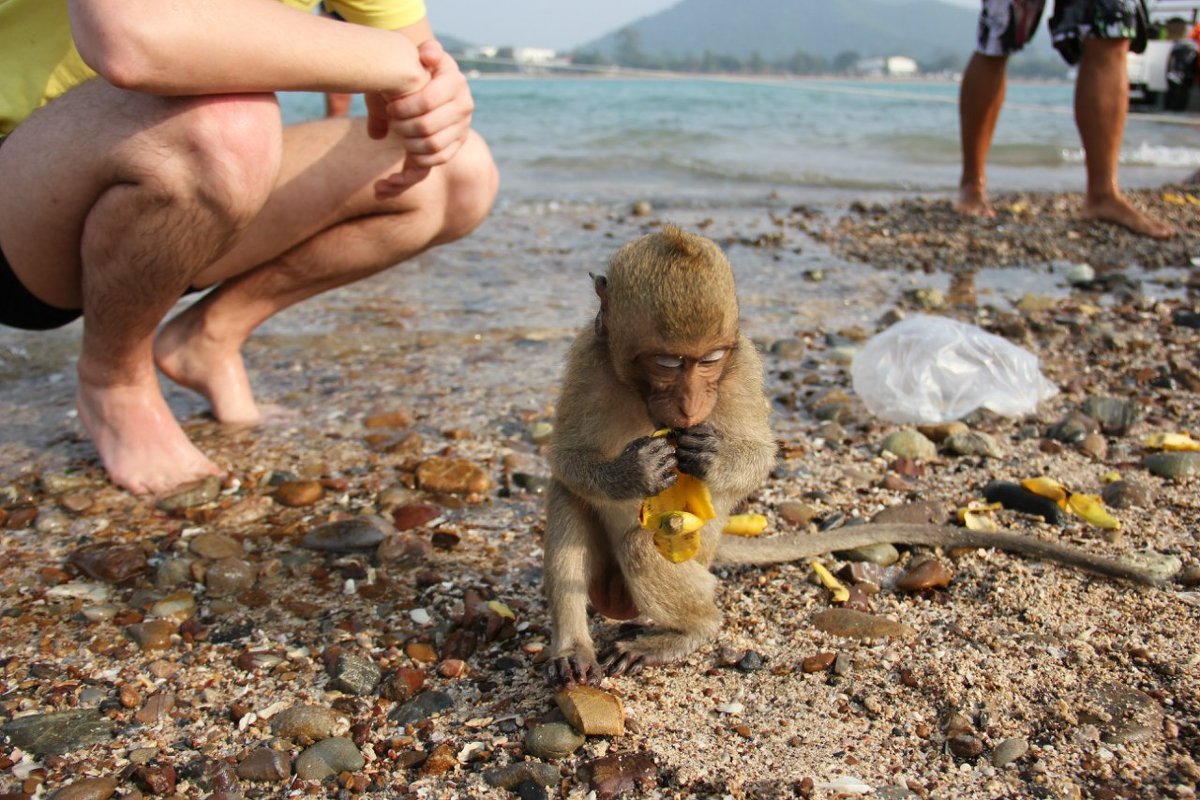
(670, 362)
(713, 357)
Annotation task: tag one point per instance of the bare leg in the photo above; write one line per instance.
(335, 232)
(980, 99)
(1101, 104)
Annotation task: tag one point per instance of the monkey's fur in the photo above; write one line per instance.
(666, 352)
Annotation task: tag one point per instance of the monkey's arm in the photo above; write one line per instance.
(793, 547)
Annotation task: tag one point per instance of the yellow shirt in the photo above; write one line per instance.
(38, 59)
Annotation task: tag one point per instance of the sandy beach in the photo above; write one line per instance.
(355, 611)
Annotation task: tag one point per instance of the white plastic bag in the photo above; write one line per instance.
(932, 369)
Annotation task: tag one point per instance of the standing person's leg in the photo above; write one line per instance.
(114, 202)
(980, 98)
(1101, 104)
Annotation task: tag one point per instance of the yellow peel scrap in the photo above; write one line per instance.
(1111, 477)
(978, 516)
(1090, 508)
(746, 524)
(840, 593)
(677, 536)
(1171, 441)
(501, 609)
(1048, 488)
(1174, 199)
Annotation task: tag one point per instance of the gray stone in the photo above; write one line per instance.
(348, 535)
(1115, 415)
(191, 495)
(881, 554)
(514, 775)
(327, 758)
(1173, 465)
(552, 741)
(1123, 714)
(910, 444)
(972, 443)
(355, 674)
(1008, 751)
(423, 706)
(1161, 566)
(228, 577)
(60, 732)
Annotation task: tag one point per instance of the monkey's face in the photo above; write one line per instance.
(681, 387)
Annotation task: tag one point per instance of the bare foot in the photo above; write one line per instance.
(973, 202)
(1117, 210)
(210, 366)
(140, 443)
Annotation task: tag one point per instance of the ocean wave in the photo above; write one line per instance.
(1145, 154)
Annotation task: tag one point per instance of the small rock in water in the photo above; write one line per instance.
(192, 494)
(110, 562)
(859, 625)
(348, 535)
(552, 741)
(327, 758)
(910, 444)
(297, 494)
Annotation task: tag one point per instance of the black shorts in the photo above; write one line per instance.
(20, 309)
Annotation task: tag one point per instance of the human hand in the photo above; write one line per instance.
(432, 122)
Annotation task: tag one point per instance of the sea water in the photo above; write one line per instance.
(724, 140)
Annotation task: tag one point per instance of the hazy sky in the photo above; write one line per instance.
(561, 24)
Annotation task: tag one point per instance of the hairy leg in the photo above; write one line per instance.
(1101, 104)
(322, 228)
(114, 203)
(570, 561)
(980, 98)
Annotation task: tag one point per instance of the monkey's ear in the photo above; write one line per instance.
(600, 283)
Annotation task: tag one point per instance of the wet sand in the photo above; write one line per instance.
(1017, 679)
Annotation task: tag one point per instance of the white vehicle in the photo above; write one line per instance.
(1163, 78)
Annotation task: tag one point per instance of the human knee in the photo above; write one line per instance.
(231, 154)
(472, 183)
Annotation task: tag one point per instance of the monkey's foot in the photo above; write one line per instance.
(570, 670)
(659, 646)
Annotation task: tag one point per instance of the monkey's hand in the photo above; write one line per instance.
(696, 449)
(643, 469)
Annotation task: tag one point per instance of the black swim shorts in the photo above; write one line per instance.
(1005, 26)
(20, 309)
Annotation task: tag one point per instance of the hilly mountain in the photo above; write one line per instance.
(923, 29)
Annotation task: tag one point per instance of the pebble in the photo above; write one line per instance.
(921, 512)
(192, 494)
(1094, 445)
(515, 774)
(109, 562)
(403, 684)
(1072, 428)
(327, 758)
(297, 494)
(415, 515)
(614, 775)
(1127, 494)
(79, 590)
(940, 431)
(965, 746)
(77, 501)
(818, 663)
(348, 535)
(59, 732)
(882, 554)
(1114, 415)
(1123, 714)
(423, 706)
(177, 605)
(859, 625)
(796, 513)
(930, 574)
(789, 349)
(355, 674)
(592, 711)
(51, 521)
(642, 208)
(973, 443)
(87, 789)
(552, 741)
(229, 576)
(153, 635)
(910, 444)
(388, 419)
(1173, 465)
(440, 761)
(452, 476)
(1161, 566)
(216, 546)
(404, 550)
(1008, 751)
(308, 723)
(172, 572)
(541, 432)
(264, 764)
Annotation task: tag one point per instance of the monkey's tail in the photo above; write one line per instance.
(793, 547)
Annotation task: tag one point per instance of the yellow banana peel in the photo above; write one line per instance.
(1172, 441)
(1048, 488)
(1090, 508)
(979, 516)
(676, 516)
(746, 524)
(840, 593)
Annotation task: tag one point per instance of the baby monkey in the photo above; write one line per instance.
(666, 352)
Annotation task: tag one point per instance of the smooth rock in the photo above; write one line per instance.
(404, 550)
(593, 711)
(177, 605)
(191, 495)
(1115, 415)
(60, 732)
(515, 774)
(216, 546)
(348, 535)
(1072, 428)
(327, 758)
(87, 789)
(1008, 751)
(297, 494)
(415, 515)
(940, 431)
(308, 723)
(910, 444)
(109, 562)
(388, 419)
(152, 635)
(614, 775)
(818, 663)
(452, 476)
(1173, 465)
(881, 554)
(796, 513)
(423, 706)
(172, 572)
(552, 741)
(859, 625)
(229, 576)
(1123, 714)
(1094, 445)
(1161, 566)
(965, 746)
(973, 443)
(1127, 494)
(403, 684)
(931, 574)
(921, 512)
(264, 764)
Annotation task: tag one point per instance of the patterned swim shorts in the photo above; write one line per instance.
(1006, 26)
